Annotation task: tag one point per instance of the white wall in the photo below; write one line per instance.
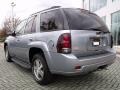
(108, 10)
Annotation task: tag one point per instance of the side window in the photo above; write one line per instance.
(51, 21)
(33, 29)
(20, 28)
(31, 25)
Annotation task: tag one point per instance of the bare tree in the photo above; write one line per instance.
(2, 33)
(10, 24)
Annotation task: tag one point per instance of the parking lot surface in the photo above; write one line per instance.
(14, 77)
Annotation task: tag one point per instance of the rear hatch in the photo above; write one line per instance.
(89, 34)
(86, 43)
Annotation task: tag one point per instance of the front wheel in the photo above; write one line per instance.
(40, 70)
(7, 55)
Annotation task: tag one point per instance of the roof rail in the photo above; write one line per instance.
(46, 9)
(55, 7)
(51, 8)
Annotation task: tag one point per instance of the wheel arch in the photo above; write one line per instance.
(35, 50)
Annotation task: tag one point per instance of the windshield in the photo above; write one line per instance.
(79, 19)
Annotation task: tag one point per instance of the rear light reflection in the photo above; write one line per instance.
(77, 67)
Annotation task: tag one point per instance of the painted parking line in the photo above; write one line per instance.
(118, 55)
(1, 44)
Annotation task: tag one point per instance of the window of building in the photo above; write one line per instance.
(97, 4)
(51, 21)
(115, 0)
(115, 27)
(86, 4)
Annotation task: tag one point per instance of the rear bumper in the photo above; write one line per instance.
(65, 64)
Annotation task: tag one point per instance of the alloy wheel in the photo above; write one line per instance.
(38, 69)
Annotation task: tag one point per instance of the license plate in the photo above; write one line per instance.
(96, 43)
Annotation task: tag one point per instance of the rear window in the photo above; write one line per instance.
(79, 19)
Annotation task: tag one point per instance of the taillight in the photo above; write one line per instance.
(64, 43)
(111, 44)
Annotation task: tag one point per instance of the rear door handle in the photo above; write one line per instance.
(30, 39)
(18, 40)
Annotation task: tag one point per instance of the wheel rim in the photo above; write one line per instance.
(38, 69)
(6, 53)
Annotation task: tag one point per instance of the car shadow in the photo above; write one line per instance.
(96, 78)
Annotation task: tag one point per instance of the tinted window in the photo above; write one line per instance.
(21, 27)
(30, 26)
(51, 21)
(33, 29)
(79, 19)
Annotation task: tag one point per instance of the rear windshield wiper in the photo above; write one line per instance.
(97, 29)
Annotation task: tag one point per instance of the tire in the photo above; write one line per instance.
(40, 70)
(7, 55)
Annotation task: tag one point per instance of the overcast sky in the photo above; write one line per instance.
(24, 8)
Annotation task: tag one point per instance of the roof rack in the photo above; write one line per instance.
(55, 7)
(46, 9)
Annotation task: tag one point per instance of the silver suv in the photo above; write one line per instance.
(67, 41)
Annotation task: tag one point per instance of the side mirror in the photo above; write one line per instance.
(13, 34)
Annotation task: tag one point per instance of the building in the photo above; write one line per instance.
(109, 11)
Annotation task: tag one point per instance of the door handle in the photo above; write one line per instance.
(30, 39)
(18, 40)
